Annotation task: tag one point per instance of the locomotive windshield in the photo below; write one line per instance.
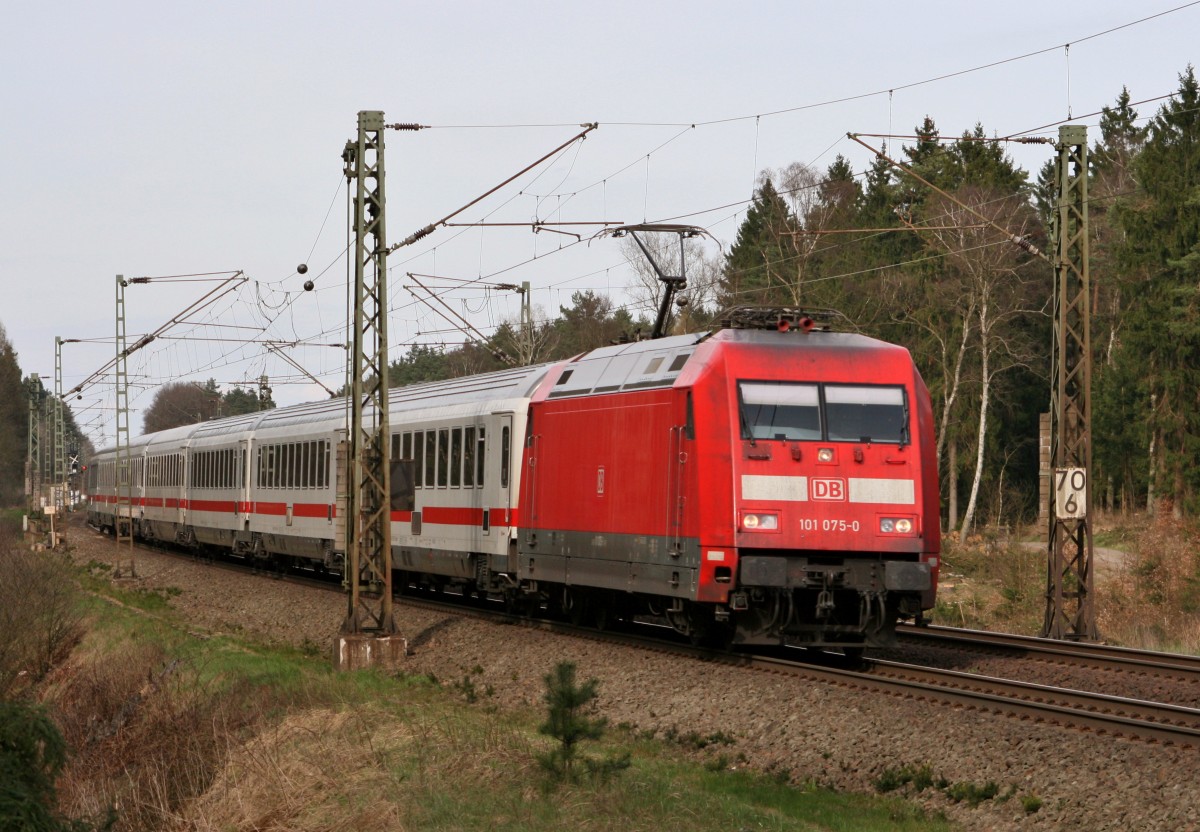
(829, 412)
(776, 410)
(865, 414)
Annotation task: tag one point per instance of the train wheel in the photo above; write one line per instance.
(703, 629)
(854, 654)
(576, 604)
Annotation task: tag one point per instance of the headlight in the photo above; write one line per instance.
(825, 455)
(895, 525)
(760, 522)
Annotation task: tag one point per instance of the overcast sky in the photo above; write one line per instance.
(151, 139)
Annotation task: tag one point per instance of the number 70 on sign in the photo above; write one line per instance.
(1070, 493)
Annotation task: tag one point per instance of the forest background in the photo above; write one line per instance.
(973, 308)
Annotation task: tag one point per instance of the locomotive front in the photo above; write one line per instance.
(819, 495)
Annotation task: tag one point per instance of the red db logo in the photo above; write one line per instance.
(827, 489)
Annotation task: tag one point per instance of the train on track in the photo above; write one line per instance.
(766, 482)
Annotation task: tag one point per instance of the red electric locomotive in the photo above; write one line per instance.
(750, 485)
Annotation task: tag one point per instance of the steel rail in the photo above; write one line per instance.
(1099, 703)
(1121, 659)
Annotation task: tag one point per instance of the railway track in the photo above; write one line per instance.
(1119, 659)
(1098, 713)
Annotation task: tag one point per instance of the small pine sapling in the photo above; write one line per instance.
(568, 722)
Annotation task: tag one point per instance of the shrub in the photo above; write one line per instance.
(32, 753)
(40, 617)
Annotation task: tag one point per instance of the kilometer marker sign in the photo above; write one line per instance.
(1070, 493)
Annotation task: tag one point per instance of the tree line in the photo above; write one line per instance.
(17, 394)
(891, 257)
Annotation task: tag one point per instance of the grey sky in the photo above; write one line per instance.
(168, 138)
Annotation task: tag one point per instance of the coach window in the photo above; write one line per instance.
(456, 458)
(430, 456)
(406, 454)
(468, 457)
(479, 459)
(504, 449)
(418, 459)
(443, 456)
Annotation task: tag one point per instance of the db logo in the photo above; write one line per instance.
(827, 489)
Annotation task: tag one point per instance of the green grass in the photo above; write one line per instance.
(313, 748)
(1114, 538)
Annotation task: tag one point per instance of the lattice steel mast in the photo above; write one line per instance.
(60, 455)
(123, 513)
(34, 483)
(368, 507)
(1070, 604)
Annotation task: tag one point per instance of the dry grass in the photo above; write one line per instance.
(367, 768)
(147, 734)
(40, 620)
(1147, 583)
(1151, 600)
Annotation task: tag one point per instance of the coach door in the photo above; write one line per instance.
(243, 497)
(498, 500)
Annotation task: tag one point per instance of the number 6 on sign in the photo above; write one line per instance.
(1070, 493)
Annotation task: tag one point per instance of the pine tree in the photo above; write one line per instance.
(1160, 254)
(14, 424)
(758, 264)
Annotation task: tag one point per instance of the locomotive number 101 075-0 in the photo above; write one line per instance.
(809, 524)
